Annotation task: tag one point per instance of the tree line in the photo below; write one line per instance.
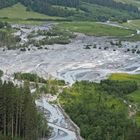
(19, 117)
(115, 5)
(6, 3)
(46, 6)
(66, 3)
(49, 7)
(119, 88)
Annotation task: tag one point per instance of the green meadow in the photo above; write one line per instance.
(96, 29)
(19, 14)
(129, 77)
(132, 24)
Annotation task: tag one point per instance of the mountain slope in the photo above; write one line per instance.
(19, 11)
(6, 3)
(133, 2)
(96, 10)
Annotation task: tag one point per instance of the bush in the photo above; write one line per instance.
(119, 88)
(1, 73)
(29, 77)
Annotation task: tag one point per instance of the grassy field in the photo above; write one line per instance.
(134, 38)
(19, 11)
(97, 29)
(124, 76)
(129, 77)
(132, 24)
(18, 14)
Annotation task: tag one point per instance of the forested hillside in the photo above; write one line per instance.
(97, 10)
(113, 4)
(6, 3)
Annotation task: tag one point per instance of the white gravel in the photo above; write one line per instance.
(61, 130)
(72, 62)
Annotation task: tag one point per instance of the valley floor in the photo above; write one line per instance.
(85, 58)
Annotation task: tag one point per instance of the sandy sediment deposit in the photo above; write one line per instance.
(73, 61)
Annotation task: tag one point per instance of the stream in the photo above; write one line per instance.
(56, 120)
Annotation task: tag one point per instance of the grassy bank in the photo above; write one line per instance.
(132, 24)
(20, 15)
(19, 11)
(96, 29)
